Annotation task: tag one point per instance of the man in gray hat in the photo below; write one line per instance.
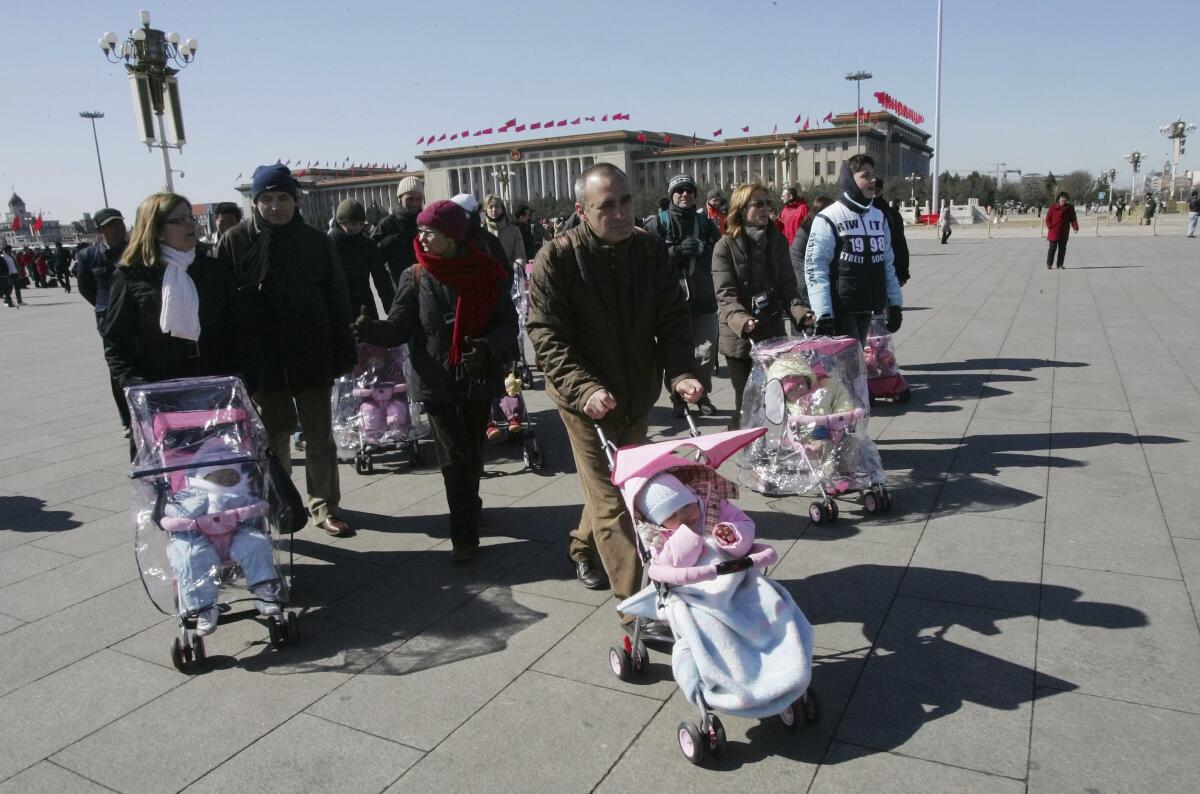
(95, 266)
(395, 234)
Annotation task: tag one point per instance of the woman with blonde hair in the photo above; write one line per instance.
(755, 284)
(170, 314)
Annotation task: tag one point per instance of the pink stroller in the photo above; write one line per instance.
(721, 609)
(371, 410)
(883, 376)
(206, 533)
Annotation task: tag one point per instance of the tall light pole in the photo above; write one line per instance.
(1134, 159)
(937, 114)
(912, 180)
(1177, 132)
(93, 115)
(785, 155)
(857, 78)
(148, 54)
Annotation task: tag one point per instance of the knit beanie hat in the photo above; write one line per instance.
(273, 177)
(662, 496)
(714, 194)
(411, 184)
(447, 217)
(351, 211)
(679, 183)
(468, 202)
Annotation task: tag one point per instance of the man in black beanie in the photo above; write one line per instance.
(294, 291)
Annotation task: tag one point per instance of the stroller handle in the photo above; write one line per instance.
(733, 566)
(693, 431)
(610, 449)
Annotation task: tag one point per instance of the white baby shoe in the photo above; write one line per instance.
(266, 599)
(206, 621)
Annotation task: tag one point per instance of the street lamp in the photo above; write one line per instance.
(1177, 132)
(93, 115)
(785, 156)
(503, 174)
(912, 180)
(148, 55)
(1134, 159)
(857, 78)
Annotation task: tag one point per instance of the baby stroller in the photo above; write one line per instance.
(510, 422)
(883, 376)
(701, 601)
(372, 413)
(206, 518)
(520, 297)
(810, 394)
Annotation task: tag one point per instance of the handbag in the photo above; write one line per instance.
(287, 505)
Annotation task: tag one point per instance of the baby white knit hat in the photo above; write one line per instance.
(662, 496)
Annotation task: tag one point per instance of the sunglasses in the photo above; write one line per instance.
(180, 220)
(761, 204)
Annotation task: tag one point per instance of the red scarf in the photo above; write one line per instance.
(476, 276)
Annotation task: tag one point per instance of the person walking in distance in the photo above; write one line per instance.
(793, 212)
(1060, 220)
(945, 220)
(94, 267)
(299, 313)
(1193, 213)
(396, 233)
(607, 318)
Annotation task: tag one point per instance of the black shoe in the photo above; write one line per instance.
(707, 408)
(590, 575)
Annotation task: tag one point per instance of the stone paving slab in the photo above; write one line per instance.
(1044, 540)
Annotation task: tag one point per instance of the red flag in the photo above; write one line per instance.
(666, 139)
(562, 123)
(828, 117)
(442, 137)
(519, 128)
(589, 118)
(621, 116)
(798, 117)
(454, 137)
(476, 133)
(576, 121)
(806, 124)
(487, 130)
(548, 124)
(604, 117)
(641, 138)
(746, 128)
(717, 133)
(464, 133)
(37, 223)
(510, 123)
(16, 224)
(537, 125)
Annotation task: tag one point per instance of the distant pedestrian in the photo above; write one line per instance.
(361, 260)
(1120, 209)
(62, 266)
(714, 208)
(793, 212)
(94, 267)
(10, 278)
(531, 233)
(1148, 210)
(396, 233)
(1060, 220)
(1193, 213)
(945, 220)
(501, 226)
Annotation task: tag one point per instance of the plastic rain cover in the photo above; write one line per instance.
(883, 374)
(371, 408)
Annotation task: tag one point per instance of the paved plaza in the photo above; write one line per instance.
(1023, 619)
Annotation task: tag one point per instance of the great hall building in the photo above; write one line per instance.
(522, 170)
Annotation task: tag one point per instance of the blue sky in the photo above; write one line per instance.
(1051, 85)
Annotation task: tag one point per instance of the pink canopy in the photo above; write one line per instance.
(828, 345)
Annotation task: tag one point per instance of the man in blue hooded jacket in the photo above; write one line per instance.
(849, 266)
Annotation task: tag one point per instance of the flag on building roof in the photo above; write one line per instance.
(519, 128)
(562, 123)
(717, 132)
(798, 117)
(589, 118)
(641, 138)
(604, 117)
(666, 139)
(806, 124)
(828, 117)
(510, 123)
(16, 223)
(746, 128)
(37, 223)
(576, 121)
(537, 125)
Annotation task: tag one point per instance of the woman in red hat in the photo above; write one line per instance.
(453, 310)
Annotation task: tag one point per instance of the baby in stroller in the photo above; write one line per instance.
(216, 520)
(742, 646)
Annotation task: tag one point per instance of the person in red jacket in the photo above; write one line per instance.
(1060, 220)
(795, 210)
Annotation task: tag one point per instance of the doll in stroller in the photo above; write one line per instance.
(510, 421)
(203, 517)
(883, 375)
(371, 410)
(742, 646)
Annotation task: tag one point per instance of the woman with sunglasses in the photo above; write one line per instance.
(453, 310)
(170, 314)
(755, 284)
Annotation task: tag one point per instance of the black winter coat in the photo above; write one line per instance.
(297, 304)
(394, 235)
(736, 282)
(701, 297)
(362, 262)
(418, 319)
(139, 352)
(899, 242)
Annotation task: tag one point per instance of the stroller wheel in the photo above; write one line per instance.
(886, 501)
(199, 657)
(534, 459)
(641, 658)
(871, 502)
(179, 657)
(293, 627)
(716, 735)
(275, 632)
(816, 512)
(810, 705)
(526, 377)
(619, 661)
(691, 744)
(832, 508)
(360, 463)
(904, 396)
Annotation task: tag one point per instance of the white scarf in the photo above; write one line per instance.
(180, 315)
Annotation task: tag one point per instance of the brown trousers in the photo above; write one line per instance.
(605, 528)
(280, 411)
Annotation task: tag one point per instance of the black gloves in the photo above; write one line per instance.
(825, 327)
(475, 355)
(895, 317)
(689, 246)
(360, 328)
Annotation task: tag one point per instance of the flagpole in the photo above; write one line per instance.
(937, 114)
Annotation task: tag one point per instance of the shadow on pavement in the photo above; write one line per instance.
(990, 364)
(29, 514)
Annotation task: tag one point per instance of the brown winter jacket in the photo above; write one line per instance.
(736, 284)
(608, 316)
